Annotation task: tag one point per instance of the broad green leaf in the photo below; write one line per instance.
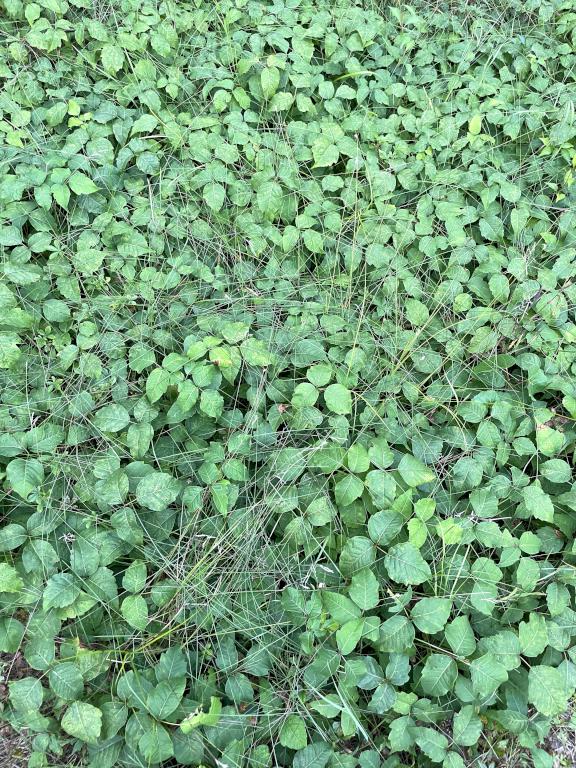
(25, 476)
(438, 674)
(325, 152)
(214, 195)
(12, 536)
(83, 721)
(467, 727)
(269, 80)
(112, 58)
(384, 526)
(269, 198)
(157, 491)
(314, 241)
(81, 184)
(556, 471)
(546, 690)
(340, 607)
(430, 614)
(533, 635)
(405, 564)
(460, 636)
(111, 418)
(165, 697)
(315, 755)
(364, 589)
(293, 733)
(396, 634)
(157, 383)
(134, 578)
(61, 590)
(487, 675)
(475, 125)
(348, 636)
(348, 489)
(538, 503)
(433, 743)
(255, 352)
(156, 745)
(338, 399)
(66, 680)
(27, 694)
(414, 472)
(135, 610)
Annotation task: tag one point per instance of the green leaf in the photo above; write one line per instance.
(438, 675)
(314, 755)
(140, 357)
(449, 531)
(10, 581)
(433, 743)
(214, 195)
(112, 58)
(467, 727)
(538, 503)
(66, 680)
(269, 198)
(135, 610)
(338, 399)
(475, 125)
(396, 634)
(111, 418)
(340, 607)
(25, 476)
(414, 472)
(357, 459)
(405, 565)
(348, 636)
(320, 511)
(61, 590)
(384, 526)
(348, 489)
(210, 718)
(556, 471)
(547, 691)
(325, 152)
(460, 636)
(157, 383)
(533, 635)
(430, 614)
(487, 675)
(134, 579)
(163, 700)
(364, 589)
(11, 634)
(293, 733)
(157, 490)
(27, 694)
(61, 194)
(269, 80)
(314, 241)
(453, 760)
(83, 721)
(211, 403)
(81, 184)
(156, 745)
(12, 536)
(138, 439)
(255, 352)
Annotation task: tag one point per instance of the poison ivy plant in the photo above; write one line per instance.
(287, 380)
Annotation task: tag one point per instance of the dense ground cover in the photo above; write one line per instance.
(287, 381)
